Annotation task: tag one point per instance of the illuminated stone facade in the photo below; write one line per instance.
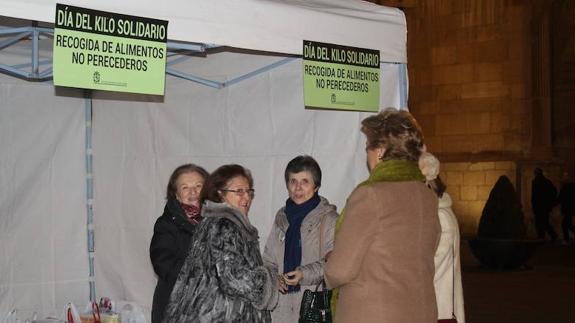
(492, 85)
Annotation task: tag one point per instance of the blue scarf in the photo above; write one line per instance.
(295, 214)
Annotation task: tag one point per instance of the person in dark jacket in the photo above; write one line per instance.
(543, 197)
(173, 231)
(502, 217)
(223, 278)
(567, 201)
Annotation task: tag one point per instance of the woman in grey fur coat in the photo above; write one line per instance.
(301, 236)
(223, 278)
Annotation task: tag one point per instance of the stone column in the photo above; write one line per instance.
(541, 114)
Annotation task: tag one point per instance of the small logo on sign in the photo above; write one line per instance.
(96, 77)
(335, 101)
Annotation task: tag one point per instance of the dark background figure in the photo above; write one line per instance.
(543, 198)
(173, 231)
(502, 217)
(567, 201)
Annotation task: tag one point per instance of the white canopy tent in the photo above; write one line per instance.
(63, 150)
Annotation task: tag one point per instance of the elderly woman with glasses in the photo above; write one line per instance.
(301, 236)
(223, 278)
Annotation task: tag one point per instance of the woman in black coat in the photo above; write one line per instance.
(173, 231)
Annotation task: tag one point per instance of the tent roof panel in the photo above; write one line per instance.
(265, 25)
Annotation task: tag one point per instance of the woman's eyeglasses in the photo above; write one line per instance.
(241, 191)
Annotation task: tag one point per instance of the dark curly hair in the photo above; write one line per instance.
(396, 131)
(219, 179)
(437, 186)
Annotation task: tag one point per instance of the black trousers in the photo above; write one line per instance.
(566, 226)
(543, 226)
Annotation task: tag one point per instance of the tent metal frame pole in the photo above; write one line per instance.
(89, 192)
(221, 85)
(35, 52)
(403, 86)
(14, 39)
(31, 71)
(32, 34)
(259, 71)
(196, 79)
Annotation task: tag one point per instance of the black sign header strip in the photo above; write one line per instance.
(112, 24)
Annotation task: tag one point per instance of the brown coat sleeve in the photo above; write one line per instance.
(353, 239)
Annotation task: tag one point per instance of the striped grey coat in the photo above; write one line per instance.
(223, 278)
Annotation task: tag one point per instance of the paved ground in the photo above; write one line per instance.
(543, 294)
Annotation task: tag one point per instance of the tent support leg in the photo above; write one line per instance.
(403, 86)
(35, 50)
(89, 191)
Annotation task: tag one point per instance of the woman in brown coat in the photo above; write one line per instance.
(383, 259)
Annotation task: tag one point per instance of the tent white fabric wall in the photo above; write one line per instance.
(138, 141)
(43, 254)
(259, 123)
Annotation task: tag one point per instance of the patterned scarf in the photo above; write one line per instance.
(296, 213)
(192, 213)
(385, 171)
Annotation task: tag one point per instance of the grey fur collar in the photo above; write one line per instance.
(223, 210)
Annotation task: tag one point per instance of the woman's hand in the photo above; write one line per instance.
(293, 277)
(327, 256)
(282, 286)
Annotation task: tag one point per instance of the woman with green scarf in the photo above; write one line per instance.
(382, 263)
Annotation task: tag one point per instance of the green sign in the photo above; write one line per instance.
(340, 77)
(107, 51)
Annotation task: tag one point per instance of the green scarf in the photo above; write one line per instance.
(385, 171)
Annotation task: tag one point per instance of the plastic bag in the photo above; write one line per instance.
(71, 314)
(91, 314)
(12, 317)
(132, 313)
(108, 311)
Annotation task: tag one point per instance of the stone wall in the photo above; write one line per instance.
(469, 185)
(491, 83)
(482, 102)
(469, 74)
(563, 44)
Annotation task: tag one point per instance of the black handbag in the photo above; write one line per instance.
(315, 305)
